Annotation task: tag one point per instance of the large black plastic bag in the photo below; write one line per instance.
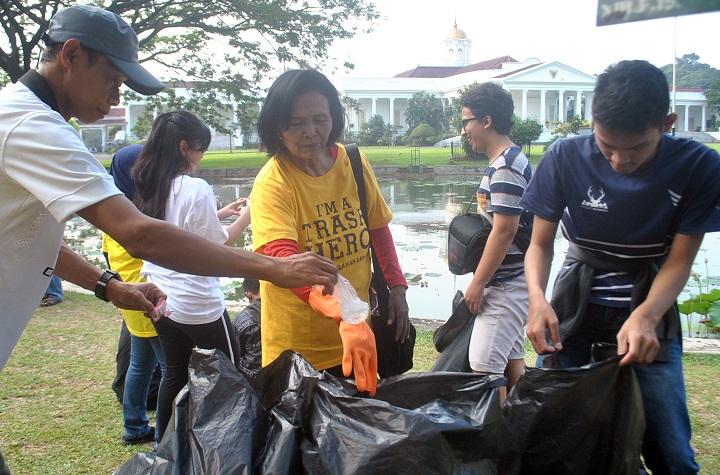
(587, 420)
(286, 386)
(421, 423)
(217, 425)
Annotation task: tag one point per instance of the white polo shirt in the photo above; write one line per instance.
(46, 175)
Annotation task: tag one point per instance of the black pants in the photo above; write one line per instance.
(178, 341)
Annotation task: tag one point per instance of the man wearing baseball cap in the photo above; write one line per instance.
(47, 175)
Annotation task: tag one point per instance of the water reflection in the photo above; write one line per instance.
(422, 211)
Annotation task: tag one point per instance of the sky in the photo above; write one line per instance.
(411, 33)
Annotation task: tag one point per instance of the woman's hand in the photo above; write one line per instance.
(232, 209)
(398, 311)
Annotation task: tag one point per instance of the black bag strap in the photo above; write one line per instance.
(379, 282)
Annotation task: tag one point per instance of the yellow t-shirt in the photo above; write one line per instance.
(322, 214)
(129, 269)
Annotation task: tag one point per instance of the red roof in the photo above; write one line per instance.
(447, 71)
(688, 89)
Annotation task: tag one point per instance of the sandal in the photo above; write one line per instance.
(49, 301)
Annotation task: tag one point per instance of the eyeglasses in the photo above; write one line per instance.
(465, 122)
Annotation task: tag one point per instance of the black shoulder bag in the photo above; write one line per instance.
(468, 234)
(393, 357)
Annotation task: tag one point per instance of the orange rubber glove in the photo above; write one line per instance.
(359, 355)
(359, 350)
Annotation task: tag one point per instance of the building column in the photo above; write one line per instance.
(561, 106)
(687, 118)
(578, 102)
(523, 111)
(702, 125)
(374, 107)
(391, 119)
(103, 138)
(543, 117)
(588, 107)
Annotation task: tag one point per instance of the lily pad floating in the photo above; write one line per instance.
(433, 274)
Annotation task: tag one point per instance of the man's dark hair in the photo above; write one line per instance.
(52, 50)
(251, 285)
(631, 96)
(277, 107)
(491, 99)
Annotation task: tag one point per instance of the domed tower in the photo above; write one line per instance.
(458, 47)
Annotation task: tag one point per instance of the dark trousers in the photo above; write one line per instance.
(178, 341)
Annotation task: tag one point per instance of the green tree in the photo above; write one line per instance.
(525, 131)
(422, 135)
(425, 108)
(187, 39)
(352, 107)
(571, 127)
(712, 94)
(247, 115)
(690, 72)
(373, 131)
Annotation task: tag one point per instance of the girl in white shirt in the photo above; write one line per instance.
(195, 314)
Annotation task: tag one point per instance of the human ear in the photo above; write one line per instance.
(183, 146)
(70, 52)
(669, 122)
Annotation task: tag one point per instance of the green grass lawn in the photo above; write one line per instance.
(399, 156)
(58, 414)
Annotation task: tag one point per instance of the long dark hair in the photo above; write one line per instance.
(161, 159)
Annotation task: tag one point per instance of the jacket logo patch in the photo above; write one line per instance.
(595, 199)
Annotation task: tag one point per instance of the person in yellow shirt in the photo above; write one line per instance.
(305, 198)
(145, 350)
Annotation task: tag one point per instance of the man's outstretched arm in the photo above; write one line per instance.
(169, 246)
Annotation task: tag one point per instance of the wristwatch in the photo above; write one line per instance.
(101, 285)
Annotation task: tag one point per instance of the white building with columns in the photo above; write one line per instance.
(549, 92)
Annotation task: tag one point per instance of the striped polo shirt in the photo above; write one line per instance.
(500, 191)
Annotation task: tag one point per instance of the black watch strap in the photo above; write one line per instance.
(101, 285)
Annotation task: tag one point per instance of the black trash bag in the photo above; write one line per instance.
(439, 423)
(217, 424)
(587, 420)
(452, 339)
(286, 386)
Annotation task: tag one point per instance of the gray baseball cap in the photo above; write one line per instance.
(107, 33)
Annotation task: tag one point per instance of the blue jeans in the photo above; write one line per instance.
(145, 354)
(666, 445)
(55, 288)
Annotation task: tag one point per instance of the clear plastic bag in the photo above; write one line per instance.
(354, 309)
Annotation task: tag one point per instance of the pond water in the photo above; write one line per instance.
(422, 211)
